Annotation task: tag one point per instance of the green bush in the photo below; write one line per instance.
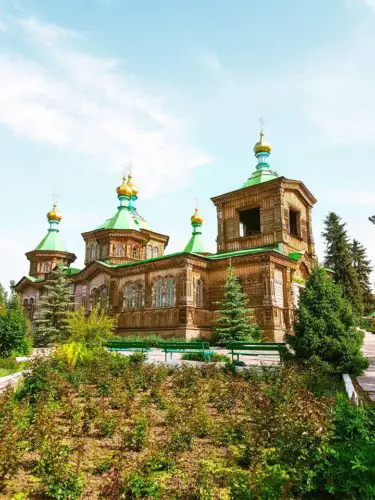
(199, 356)
(326, 333)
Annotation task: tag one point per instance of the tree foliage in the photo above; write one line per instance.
(326, 332)
(91, 330)
(363, 268)
(51, 323)
(234, 322)
(14, 326)
(338, 257)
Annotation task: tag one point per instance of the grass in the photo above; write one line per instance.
(8, 366)
(153, 340)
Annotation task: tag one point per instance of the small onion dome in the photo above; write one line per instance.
(262, 146)
(131, 185)
(124, 189)
(54, 215)
(196, 218)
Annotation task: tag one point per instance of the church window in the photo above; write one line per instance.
(158, 290)
(103, 298)
(155, 251)
(92, 252)
(138, 296)
(104, 251)
(95, 297)
(169, 296)
(135, 252)
(148, 251)
(294, 217)
(198, 295)
(46, 267)
(119, 250)
(250, 222)
(128, 297)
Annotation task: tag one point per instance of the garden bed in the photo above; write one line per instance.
(116, 427)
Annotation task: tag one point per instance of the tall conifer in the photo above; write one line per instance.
(363, 268)
(234, 322)
(326, 332)
(51, 321)
(14, 326)
(338, 257)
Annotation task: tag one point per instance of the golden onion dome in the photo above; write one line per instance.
(124, 189)
(262, 146)
(131, 185)
(53, 214)
(196, 218)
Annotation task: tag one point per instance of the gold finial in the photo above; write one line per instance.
(124, 189)
(262, 146)
(131, 185)
(196, 218)
(53, 214)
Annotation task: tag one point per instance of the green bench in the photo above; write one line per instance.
(255, 349)
(184, 347)
(123, 345)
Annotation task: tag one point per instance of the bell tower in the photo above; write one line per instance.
(51, 250)
(268, 211)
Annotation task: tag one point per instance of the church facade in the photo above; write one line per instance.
(264, 231)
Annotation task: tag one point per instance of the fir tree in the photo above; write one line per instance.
(363, 268)
(14, 326)
(51, 321)
(372, 219)
(326, 333)
(234, 322)
(338, 257)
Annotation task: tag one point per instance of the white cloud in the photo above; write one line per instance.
(72, 100)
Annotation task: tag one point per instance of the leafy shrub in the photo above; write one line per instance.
(199, 356)
(350, 467)
(136, 438)
(15, 337)
(57, 472)
(181, 440)
(92, 330)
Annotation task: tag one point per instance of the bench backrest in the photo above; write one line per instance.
(185, 345)
(253, 346)
(119, 344)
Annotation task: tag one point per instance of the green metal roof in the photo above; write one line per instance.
(296, 255)
(52, 242)
(34, 280)
(217, 256)
(260, 176)
(195, 244)
(123, 219)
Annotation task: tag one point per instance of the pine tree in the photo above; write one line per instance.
(51, 321)
(363, 268)
(325, 333)
(338, 257)
(234, 322)
(14, 326)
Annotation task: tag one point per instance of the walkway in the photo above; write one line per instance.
(367, 381)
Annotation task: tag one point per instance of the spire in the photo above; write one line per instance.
(196, 244)
(263, 172)
(52, 240)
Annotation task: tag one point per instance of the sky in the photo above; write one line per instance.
(177, 88)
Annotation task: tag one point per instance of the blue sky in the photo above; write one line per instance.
(178, 88)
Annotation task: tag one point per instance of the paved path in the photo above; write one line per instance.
(367, 380)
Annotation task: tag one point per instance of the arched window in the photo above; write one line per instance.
(148, 251)
(128, 297)
(103, 298)
(133, 296)
(198, 295)
(169, 295)
(158, 293)
(155, 251)
(135, 252)
(95, 297)
(93, 252)
(46, 267)
(119, 250)
(138, 296)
